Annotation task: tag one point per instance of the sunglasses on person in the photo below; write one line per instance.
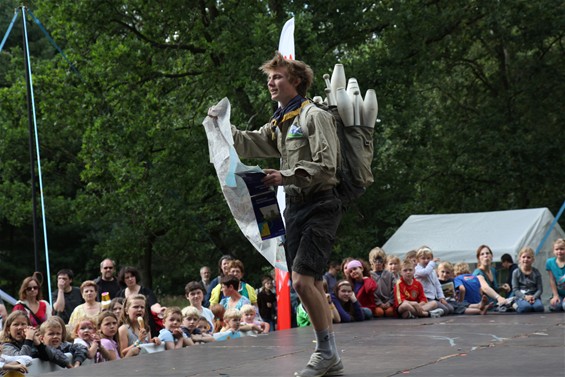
(34, 288)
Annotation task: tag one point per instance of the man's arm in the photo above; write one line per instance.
(255, 144)
(59, 305)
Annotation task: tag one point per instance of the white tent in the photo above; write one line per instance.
(456, 237)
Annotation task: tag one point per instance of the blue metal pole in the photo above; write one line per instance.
(34, 131)
(553, 223)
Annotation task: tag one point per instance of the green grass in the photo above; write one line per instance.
(171, 300)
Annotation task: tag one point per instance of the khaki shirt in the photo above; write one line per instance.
(316, 153)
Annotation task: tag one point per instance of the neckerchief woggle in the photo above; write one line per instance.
(282, 114)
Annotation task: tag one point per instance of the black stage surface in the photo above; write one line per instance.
(491, 345)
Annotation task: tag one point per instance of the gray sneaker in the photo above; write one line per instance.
(336, 370)
(436, 313)
(319, 366)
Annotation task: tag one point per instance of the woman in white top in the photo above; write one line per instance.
(91, 308)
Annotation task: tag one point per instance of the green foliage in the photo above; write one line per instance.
(468, 95)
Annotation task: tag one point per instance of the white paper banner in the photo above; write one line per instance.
(220, 144)
(286, 43)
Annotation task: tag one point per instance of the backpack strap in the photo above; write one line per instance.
(302, 118)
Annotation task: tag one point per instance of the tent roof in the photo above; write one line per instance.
(456, 237)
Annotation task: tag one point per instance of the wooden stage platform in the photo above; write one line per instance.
(492, 345)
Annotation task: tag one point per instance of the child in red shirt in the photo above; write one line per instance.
(409, 297)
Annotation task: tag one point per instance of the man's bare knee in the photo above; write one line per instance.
(302, 284)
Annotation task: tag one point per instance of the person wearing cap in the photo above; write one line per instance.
(363, 285)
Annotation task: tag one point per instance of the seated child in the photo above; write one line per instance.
(345, 302)
(53, 333)
(344, 270)
(108, 326)
(218, 311)
(425, 274)
(205, 331)
(467, 284)
(473, 289)
(15, 363)
(134, 330)
(445, 273)
(190, 321)
(412, 257)
(393, 265)
(384, 297)
(172, 335)
(363, 286)
(249, 314)
(232, 319)
(116, 306)
(20, 339)
(86, 334)
(527, 284)
(204, 326)
(555, 268)
(409, 298)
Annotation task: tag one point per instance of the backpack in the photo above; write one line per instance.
(356, 155)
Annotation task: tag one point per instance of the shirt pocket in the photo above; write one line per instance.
(296, 144)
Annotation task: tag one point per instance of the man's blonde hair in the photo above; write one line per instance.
(297, 71)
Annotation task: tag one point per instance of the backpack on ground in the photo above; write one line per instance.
(356, 155)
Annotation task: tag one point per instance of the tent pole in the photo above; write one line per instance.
(553, 223)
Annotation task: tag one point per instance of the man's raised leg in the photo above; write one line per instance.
(325, 360)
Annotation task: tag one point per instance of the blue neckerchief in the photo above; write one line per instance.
(291, 110)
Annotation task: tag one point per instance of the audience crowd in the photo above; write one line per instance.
(114, 316)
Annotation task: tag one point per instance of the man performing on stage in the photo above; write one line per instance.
(313, 210)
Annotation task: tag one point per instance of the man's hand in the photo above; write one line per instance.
(213, 112)
(273, 177)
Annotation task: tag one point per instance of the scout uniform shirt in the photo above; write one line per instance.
(316, 153)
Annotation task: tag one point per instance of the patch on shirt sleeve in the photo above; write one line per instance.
(295, 132)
